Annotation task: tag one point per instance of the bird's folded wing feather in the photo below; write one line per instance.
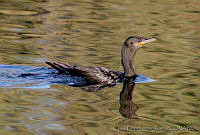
(95, 73)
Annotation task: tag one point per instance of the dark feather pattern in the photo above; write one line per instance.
(94, 74)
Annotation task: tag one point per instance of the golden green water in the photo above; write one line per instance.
(91, 32)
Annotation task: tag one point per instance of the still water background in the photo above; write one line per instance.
(91, 32)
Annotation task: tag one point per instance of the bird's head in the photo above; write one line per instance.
(137, 42)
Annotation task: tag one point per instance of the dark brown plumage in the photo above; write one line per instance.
(96, 74)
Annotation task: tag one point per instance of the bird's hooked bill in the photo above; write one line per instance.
(146, 41)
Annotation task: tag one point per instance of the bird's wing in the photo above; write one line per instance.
(98, 74)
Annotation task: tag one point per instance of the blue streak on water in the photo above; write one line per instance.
(143, 79)
(17, 76)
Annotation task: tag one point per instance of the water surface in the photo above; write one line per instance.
(90, 33)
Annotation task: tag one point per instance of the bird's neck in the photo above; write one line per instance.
(127, 59)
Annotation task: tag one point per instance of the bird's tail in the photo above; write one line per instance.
(62, 68)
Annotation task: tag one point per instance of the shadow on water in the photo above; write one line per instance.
(15, 76)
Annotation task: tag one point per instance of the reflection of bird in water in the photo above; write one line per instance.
(127, 107)
(96, 74)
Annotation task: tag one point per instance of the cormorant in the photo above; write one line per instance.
(96, 74)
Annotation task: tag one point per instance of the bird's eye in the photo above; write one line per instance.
(131, 43)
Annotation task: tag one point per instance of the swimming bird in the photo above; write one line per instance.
(97, 74)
